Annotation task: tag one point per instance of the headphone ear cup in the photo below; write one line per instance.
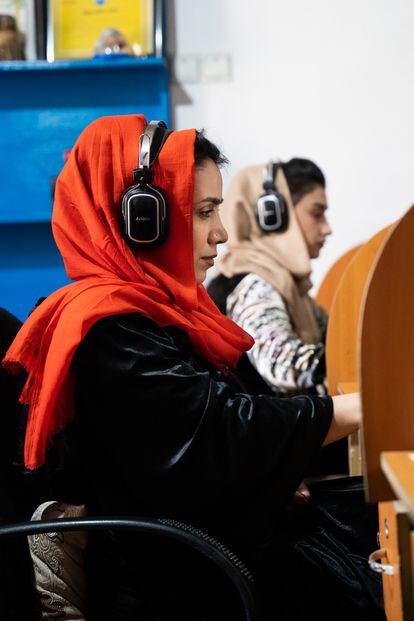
(272, 212)
(144, 216)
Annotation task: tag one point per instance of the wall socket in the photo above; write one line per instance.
(215, 68)
(191, 68)
(187, 68)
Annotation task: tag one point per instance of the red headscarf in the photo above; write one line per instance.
(110, 277)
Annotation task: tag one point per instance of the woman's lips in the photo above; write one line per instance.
(209, 260)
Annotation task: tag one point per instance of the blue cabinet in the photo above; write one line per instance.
(43, 108)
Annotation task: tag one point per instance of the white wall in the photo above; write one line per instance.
(332, 80)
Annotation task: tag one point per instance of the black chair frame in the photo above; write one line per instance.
(220, 555)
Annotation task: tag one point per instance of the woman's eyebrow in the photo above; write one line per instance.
(211, 199)
(319, 205)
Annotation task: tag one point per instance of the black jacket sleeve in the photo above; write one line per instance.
(170, 434)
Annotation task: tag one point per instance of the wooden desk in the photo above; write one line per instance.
(396, 521)
(386, 358)
(398, 467)
(370, 342)
(394, 560)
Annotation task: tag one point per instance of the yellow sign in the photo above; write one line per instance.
(78, 24)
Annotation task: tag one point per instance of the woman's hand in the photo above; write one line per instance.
(300, 499)
(346, 416)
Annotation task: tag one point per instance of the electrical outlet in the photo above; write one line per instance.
(215, 68)
(187, 68)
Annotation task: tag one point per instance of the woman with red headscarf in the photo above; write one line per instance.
(128, 366)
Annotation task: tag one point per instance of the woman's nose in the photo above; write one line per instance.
(218, 234)
(327, 229)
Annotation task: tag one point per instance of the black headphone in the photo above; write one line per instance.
(271, 208)
(144, 208)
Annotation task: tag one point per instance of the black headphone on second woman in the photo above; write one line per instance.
(271, 208)
(144, 208)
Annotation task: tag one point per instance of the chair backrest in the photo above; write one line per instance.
(213, 551)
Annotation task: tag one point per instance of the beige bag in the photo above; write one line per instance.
(58, 565)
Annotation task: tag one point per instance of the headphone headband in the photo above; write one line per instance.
(151, 142)
(269, 174)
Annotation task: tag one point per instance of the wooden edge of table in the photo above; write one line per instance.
(344, 388)
(398, 468)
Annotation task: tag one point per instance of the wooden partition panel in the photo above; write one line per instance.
(387, 355)
(342, 336)
(326, 291)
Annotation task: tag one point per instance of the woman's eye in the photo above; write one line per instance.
(206, 213)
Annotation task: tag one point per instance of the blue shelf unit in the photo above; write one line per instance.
(43, 108)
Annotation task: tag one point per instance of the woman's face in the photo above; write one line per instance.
(208, 230)
(311, 214)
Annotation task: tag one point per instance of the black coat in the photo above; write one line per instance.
(167, 435)
(158, 432)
